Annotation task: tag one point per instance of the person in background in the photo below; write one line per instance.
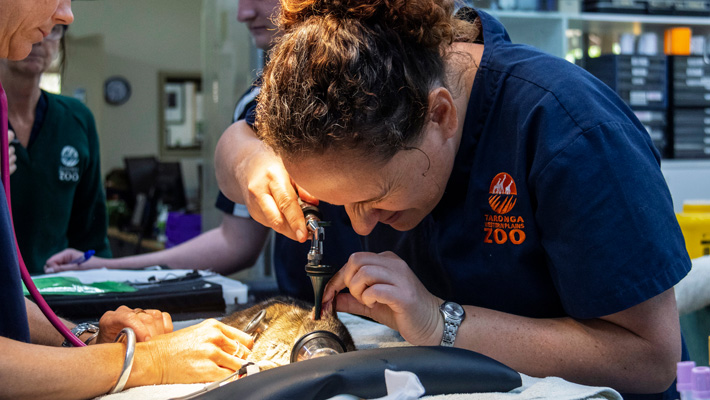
(57, 193)
(542, 195)
(34, 365)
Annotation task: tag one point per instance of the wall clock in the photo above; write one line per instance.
(117, 90)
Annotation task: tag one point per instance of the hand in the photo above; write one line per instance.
(62, 261)
(384, 288)
(206, 352)
(11, 151)
(146, 324)
(262, 182)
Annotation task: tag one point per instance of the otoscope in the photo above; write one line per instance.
(319, 273)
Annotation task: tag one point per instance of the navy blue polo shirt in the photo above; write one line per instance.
(556, 204)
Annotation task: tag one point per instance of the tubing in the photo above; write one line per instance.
(26, 278)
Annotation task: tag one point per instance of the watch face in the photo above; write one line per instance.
(453, 309)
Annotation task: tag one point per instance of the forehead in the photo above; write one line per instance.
(341, 178)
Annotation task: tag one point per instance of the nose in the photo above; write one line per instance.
(363, 218)
(245, 11)
(63, 15)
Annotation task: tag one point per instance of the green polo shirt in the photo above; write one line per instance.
(58, 199)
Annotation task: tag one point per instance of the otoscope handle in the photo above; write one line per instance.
(320, 275)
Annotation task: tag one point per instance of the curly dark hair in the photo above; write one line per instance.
(354, 74)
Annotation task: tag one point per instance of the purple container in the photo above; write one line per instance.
(685, 376)
(181, 227)
(701, 383)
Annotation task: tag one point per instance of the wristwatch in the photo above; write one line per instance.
(82, 329)
(453, 315)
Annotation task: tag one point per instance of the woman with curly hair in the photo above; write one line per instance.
(540, 193)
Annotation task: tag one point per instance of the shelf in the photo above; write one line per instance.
(548, 31)
(641, 18)
(604, 17)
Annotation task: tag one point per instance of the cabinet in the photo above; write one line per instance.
(569, 35)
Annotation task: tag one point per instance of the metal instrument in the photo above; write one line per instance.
(319, 273)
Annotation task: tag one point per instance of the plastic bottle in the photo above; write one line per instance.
(701, 383)
(684, 382)
(694, 221)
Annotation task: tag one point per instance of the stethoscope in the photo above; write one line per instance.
(26, 278)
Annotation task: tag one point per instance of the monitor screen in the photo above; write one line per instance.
(141, 173)
(169, 187)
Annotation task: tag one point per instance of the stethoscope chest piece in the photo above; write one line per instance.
(317, 344)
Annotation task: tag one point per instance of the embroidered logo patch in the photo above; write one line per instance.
(69, 156)
(68, 171)
(503, 193)
(501, 227)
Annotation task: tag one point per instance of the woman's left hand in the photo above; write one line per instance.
(384, 288)
(145, 323)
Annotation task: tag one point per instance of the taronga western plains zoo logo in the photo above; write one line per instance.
(68, 171)
(502, 227)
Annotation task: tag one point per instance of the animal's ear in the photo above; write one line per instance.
(329, 309)
(326, 310)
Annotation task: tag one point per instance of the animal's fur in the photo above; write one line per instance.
(286, 320)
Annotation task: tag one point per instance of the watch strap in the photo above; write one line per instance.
(451, 328)
(80, 329)
(451, 324)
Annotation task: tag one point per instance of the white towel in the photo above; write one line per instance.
(538, 389)
(368, 334)
(691, 293)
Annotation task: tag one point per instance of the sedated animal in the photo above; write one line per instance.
(284, 322)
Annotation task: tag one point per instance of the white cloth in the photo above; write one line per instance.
(692, 293)
(366, 335)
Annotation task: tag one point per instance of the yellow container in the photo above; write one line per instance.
(695, 223)
(677, 41)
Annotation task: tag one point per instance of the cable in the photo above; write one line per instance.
(26, 278)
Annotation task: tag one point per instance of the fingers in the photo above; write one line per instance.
(290, 216)
(59, 261)
(235, 334)
(12, 158)
(60, 268)
(304, 195)
(146, 324)
(366, 277)
(167, 322)
(342, 278)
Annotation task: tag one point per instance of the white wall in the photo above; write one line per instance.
(687, 180)
(134, 39)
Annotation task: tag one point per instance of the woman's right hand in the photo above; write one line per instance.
(205, 352)
(250, 173)
(62, 261)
